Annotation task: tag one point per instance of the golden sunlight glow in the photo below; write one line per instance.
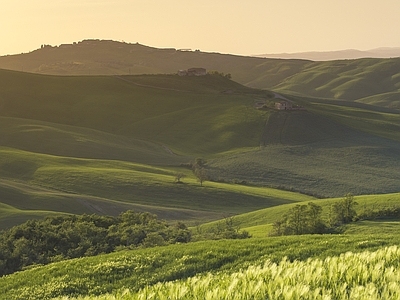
(228, 26)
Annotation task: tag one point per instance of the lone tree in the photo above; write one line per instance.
(200, 174)
(199, 170)
(179, 176)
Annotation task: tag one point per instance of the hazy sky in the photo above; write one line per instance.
(226, 26)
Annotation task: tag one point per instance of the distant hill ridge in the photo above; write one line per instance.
(373, 81)
(386, 52)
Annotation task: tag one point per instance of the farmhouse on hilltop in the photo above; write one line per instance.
(193, 72)
(283, 105)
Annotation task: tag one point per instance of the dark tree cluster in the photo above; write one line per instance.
(64, 237)
(224, 229)
(301, 219)
(228, 75)
(307, 219)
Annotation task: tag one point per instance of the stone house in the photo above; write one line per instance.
(283, 105)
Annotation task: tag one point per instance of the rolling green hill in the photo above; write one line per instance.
(107, 144)
(104, 144)
(112, 141)
(369, 80)
(101, 57)
(354, 141)
(32, 181)
(259, 223)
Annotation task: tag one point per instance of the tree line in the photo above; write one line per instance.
(63, 237)
(307, 219)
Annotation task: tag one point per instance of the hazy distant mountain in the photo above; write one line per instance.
(336, 55)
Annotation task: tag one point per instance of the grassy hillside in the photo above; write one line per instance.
(177, 111)
(94, 57)
(96, 144)
(139, 268)
(105, 144)
(259, 223)
(328, 150)
(366, 80)
(32, 181)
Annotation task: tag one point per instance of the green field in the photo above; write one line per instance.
(106, 144)
(259, 223)
(137, 269)
(32, 181)
(114, 141)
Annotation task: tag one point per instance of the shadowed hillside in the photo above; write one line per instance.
(96, 144)
(369, 80)
(104, 144)
(95, 57)
(332, 149)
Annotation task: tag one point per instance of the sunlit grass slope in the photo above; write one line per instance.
(76, 185)
(259, 223)
(10, 216)
(348, 79)
(66, 140)
(391, 100)
(139, 268)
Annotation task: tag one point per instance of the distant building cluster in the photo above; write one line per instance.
(283, 105)
(287, 105)
(193, 72)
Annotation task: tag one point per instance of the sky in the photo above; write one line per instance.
(227, 26)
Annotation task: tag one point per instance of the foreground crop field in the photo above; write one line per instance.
(366, 275)
(138, 269)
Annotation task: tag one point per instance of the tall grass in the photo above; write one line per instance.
(366, 275)
(143, 268)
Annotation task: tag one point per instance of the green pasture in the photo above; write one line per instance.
(119, 140)
(259, 223)
(386, 125)
(391, 100)
(11, 216)
(360, 80)
(334, 147)
(32, 181)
